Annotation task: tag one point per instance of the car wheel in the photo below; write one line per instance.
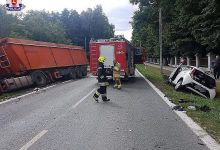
(179, 85)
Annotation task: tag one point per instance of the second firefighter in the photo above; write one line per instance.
(116, 75)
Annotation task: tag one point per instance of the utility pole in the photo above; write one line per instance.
(157, 2)
(85, 44)
(160, 40)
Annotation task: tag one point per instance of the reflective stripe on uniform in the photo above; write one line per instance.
(103, 84)
(97, 93)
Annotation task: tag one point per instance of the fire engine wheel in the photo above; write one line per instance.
(39, 78)
(179, 85)
(126, 78)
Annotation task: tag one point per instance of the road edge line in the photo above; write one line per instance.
(211, 143)
(24, 95)
(30, 93)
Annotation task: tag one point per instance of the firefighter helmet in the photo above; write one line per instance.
(101, 59)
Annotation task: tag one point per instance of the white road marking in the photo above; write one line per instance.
(18, 97)
(37, 137)
(41, 89)
(202, 134)
(31, 142)
(67, 81)
(80, 101)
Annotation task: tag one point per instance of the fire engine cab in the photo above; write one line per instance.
(114, 49)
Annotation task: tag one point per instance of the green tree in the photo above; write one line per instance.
(95, 24)
(7, 23)
(66, 27)
(89, 24)
(205, 25)
(189, 27)
(72, 26)
(145, 30)
(42, 26)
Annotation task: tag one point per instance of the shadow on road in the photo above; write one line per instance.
(111, 104)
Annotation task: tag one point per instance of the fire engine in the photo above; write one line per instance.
(114, 49)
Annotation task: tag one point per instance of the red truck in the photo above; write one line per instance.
(26, 62)
(115, 49)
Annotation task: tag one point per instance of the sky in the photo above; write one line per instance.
(119, 12)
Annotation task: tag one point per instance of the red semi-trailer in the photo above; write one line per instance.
(115, 49)
(25, 62)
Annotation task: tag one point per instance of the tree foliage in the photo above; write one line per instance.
(189, 26)
(68, 26)
(7, 23)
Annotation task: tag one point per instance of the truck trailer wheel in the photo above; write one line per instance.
(84, 72)
(39, 78)
(79, 73)
(72, 74)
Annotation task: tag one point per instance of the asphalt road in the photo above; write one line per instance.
(66, 117)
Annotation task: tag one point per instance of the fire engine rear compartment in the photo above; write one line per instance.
(108, 52)
(121, 51)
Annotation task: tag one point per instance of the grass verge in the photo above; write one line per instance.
(19, 92)
(6, 96)
(210, 121)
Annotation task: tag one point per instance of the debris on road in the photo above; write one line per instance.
(184, 101)
(200, 143)
(117, 130)
(191, 107)
(178, 108)
(36, 89)
(205, 108)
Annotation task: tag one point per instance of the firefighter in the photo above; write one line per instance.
(102, 80)
(116, 75)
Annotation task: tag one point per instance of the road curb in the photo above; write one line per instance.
(202, 134)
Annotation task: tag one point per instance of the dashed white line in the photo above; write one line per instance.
(31, 142)
(202, 134)
(80, 101)
(37, 137)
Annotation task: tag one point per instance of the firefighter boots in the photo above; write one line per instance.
(105, 99)
(95, 98)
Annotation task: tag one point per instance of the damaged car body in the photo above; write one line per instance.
(194, 79)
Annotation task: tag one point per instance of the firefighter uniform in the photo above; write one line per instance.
(102, 80)
(116, 75)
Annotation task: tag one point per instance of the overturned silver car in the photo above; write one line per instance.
(194, 79)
